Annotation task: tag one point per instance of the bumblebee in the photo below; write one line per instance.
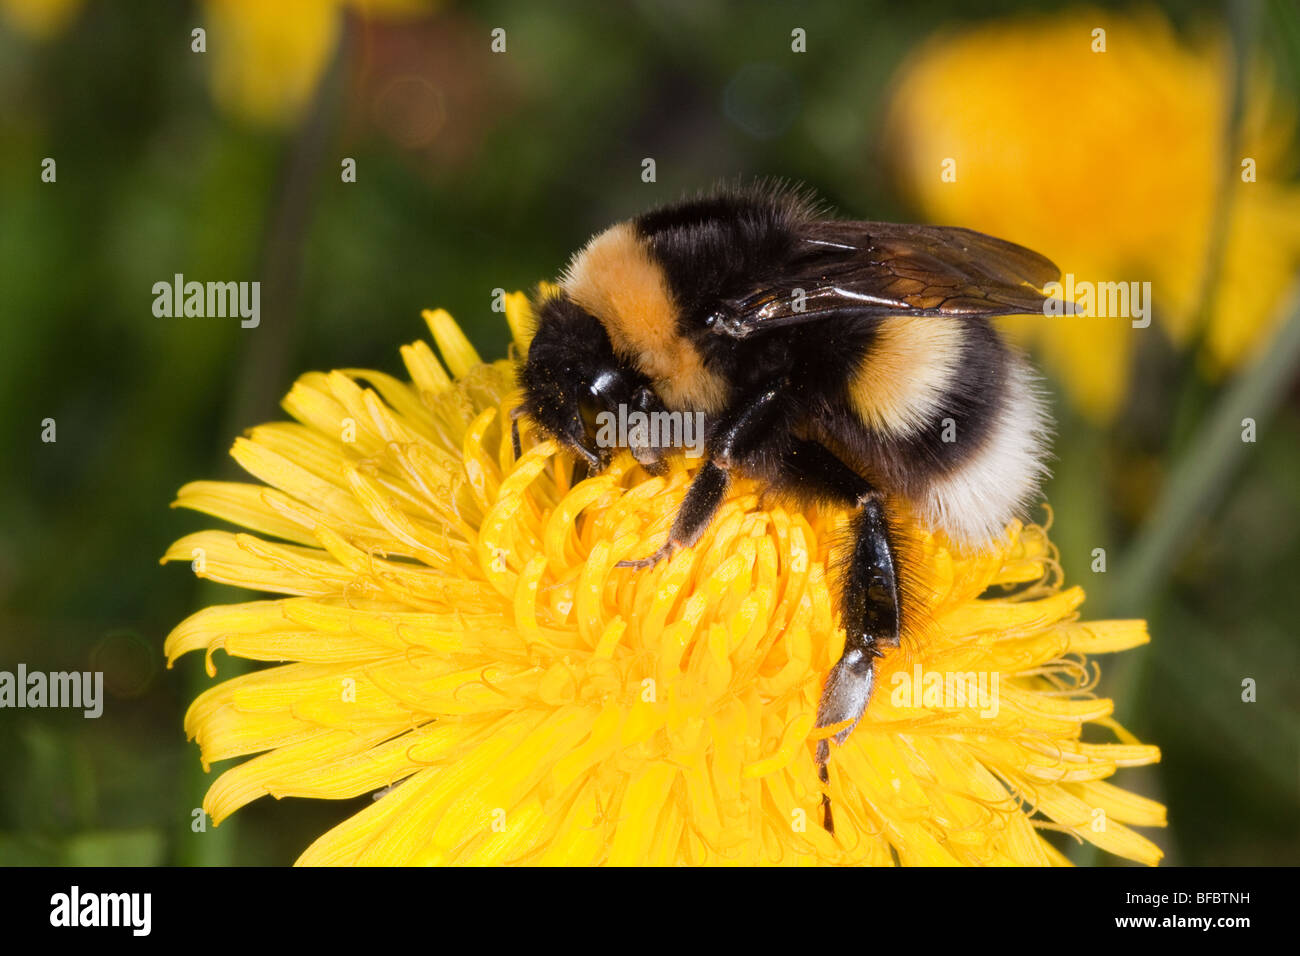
(836, 361)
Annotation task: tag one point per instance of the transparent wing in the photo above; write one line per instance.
(848, 269)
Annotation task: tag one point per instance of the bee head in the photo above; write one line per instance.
(572, 376)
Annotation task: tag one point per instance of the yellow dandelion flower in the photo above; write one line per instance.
(1111, 164)
(268, 57)
(452, 630)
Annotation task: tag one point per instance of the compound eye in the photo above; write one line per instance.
(588, 410)
(644, 399)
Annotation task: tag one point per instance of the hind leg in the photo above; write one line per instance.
(869, 599)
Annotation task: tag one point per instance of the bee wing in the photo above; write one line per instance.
(849, 269)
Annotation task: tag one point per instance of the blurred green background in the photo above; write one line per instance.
(478, 171)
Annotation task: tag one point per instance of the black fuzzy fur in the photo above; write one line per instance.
(569, 351)
(724, 245)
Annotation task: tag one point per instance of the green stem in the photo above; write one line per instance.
(1198, 480)
(1196, 486)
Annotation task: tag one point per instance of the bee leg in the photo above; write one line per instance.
(706, 493)
(869, 608)
(650, 455)
(515, 414)
(743, 430)
(869, 602)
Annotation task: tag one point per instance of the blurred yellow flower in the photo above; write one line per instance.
(268, 57)
(455, 623)
(40, 19)
(1110, 163)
